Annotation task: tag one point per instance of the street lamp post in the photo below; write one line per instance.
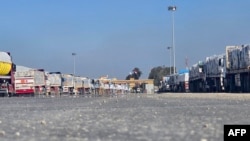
(170, 59)
(74, 54)
(173, 9)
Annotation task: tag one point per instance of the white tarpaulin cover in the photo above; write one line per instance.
(215, 65)
(238, 57)
(4, 57)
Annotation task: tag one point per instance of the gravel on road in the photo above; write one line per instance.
(131, 117)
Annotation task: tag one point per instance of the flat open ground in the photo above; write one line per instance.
(132, 117)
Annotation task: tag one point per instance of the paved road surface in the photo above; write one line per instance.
(157, 117)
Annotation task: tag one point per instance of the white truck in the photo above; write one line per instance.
(215, 70)
(88, 86)
(164, 84)
(29, 81)
(238, 68)
(79, 85)
(182, 82)
(197, 78)
(72, 84)
(68, 83)
(179, 82)
(54, 83)
(173, 82)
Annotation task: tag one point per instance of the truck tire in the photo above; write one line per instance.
(10, 94)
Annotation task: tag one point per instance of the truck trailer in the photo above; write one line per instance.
(182, 82)
(215, 73)
(79, 85)
(197, 78)
(238, 68)
(7, 69)
(164, 84)
(72, 84)
(54, 83)
(173, 82)
(88, 86)
(68, 83)
(29, 81)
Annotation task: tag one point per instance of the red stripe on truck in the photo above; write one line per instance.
(25, 91)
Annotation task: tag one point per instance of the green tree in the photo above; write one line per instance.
(136, 74)
(157, 73)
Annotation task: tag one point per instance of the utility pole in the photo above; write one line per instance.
(173, 9)
(74, 54)
(170, 59)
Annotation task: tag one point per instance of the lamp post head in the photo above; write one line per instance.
(169, 47)
(73, 54)
(172, 8)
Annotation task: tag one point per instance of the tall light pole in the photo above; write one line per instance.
(74, 54)
(170, 58)
(173, 9)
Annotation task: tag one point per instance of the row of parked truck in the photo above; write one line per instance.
(227, 72)
(20, 80)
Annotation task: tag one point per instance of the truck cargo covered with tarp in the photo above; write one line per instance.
(215, 66)
(29, 81)
(197, 78)
(238, 57)
(68, 83)
(238, 68)
(55, 79)
(215, 72)
(54, 82)
(197, 71)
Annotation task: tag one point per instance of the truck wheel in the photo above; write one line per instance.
(10, 94)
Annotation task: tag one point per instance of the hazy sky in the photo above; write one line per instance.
(111, 37)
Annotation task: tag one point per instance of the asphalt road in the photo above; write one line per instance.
(140, 117)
